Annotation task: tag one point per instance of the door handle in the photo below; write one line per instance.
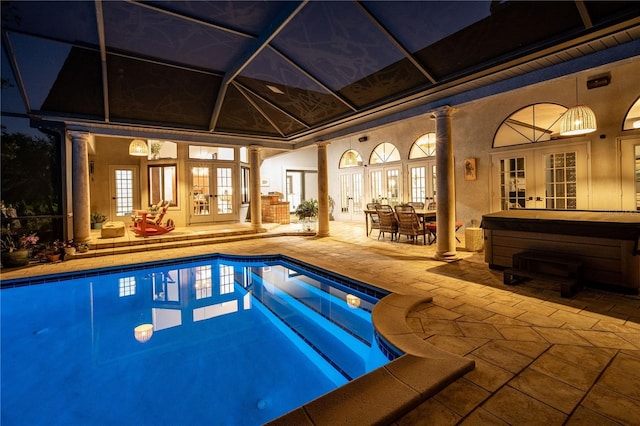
(538, 199)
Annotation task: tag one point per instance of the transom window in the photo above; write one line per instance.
(531, 124)
(197, 152)
(424, 146)
(384, 153)
(350, 158)
(632, 119)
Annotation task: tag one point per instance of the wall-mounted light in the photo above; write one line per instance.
(363, 138)
(138, 148)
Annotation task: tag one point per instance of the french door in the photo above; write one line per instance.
(350, 206)
(385, 185)
(211, 193)
(422, 178)
(543, 178)
(123, 191)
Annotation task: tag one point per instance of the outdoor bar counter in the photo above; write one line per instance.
(605, 242)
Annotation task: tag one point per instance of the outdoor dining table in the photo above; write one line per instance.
(423, 215)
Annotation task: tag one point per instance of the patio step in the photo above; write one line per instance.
(167, 241)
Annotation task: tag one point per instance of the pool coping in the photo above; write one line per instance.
(385, 394)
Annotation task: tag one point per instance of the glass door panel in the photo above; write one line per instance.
(385, 185)
(422, 182)
(212, 190)
(123, 191)
(350, 204)
(224, 193)
(200, 194)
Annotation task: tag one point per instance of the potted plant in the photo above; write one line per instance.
(97, 219)
(69, 248)
(305, 211)
(82, 248)
(54, 251)
(15, 249)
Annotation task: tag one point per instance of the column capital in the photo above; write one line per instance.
(443, 111)
(78, 135)
(322, 144)
(255, 148)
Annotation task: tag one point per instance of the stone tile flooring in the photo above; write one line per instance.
(540, 358)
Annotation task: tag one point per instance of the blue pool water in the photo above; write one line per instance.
(234, 342)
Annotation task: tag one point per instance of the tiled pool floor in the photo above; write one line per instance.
(539, 358)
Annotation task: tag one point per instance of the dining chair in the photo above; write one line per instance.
(409, 224)
(388, 221)
(416, 205)
(433, 228)
(375, 219)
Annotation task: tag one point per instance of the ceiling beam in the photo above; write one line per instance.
(274, 106)
(191, 19)
(257, 107)
(397, 43)
(103, 59)
(289, 11)
(315, 80)
(584, 14)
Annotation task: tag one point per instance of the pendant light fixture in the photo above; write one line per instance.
(578, 120)
(139, 148)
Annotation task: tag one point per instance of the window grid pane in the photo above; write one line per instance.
(126, 286)
(512, 183)
(203, 282)
(561, 181)
(357, 193)
(226, 279)
(418, 184)
(124, 192)
(225, 190)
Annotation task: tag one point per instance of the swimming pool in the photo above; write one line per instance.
(219, 341)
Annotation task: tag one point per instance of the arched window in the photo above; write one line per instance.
(632, 119)
(384, 153)
(350, 158)
(424, 146)
(531, 124)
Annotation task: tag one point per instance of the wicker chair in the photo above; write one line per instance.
(409, 224)
(375, 219)
(416, 205)
(388, 221)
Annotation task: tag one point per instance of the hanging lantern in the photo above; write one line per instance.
(578, 120)
(143, 332)
(139, 148)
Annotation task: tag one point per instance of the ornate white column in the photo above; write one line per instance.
(445, 186)
(323, 190)
(254, 187)
(81, 201)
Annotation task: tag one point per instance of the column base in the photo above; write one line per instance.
(450, 256)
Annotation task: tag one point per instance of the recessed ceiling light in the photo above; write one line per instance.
(274, 89)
